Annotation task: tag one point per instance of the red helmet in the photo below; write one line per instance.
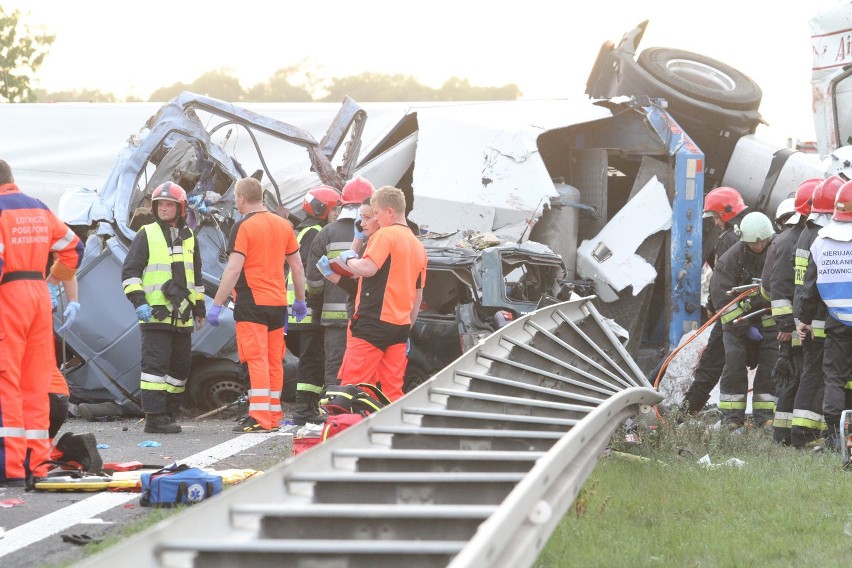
(356, 191)
(320, 200)
(804, 196)
(843, 203)
(725, 202)
(169, 191)
(824, 194)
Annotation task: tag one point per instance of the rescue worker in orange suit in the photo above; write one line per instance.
(322, 205)
(726, 207)
(778, 281)
(393, 273)
(162, 279)
(745, 328)
(809, 420)
(260, 245)
(29, 233)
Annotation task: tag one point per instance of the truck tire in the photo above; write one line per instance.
(701, 78)
(214, 383)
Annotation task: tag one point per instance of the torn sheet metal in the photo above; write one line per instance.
(478, 165)
(610, 257)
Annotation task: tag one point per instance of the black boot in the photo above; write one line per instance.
(307, 409)
(80, 448)
(161, 424)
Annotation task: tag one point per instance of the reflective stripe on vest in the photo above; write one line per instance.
(291, 291)
(159, 270)
(335, 311)
(800, 265)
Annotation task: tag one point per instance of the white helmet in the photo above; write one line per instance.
(756, 227)
(785, 209)
(840, 162)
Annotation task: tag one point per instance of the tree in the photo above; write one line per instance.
(83, 96)
(377, 87)
(280, 88)
(455, 89)
(217, 84)
(22, 51)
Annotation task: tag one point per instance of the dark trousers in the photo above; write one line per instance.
(708, 372)
(311, 360)
(733, 386)
(837, 366)
(335, 347)
(166, 359)
(808, 421)
(786, 387)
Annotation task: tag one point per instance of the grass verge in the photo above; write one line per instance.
(784, 507)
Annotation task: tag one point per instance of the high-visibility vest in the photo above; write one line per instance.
(833, 261)
(159, 270)
(291, 291)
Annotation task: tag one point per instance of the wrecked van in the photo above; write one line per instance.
(471, 293)
(205, 146)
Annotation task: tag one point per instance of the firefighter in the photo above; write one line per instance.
(726, 207)
(820, 398)
(322, 206)
(745, 326)
(29, 233)
(808, 424)
(162, 278)
(778, 280)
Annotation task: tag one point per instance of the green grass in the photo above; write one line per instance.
(783, 508)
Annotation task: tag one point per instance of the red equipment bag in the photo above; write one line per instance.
(337, 423)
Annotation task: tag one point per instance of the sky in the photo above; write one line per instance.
(547, 48)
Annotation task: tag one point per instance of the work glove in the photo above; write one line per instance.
(143, 312)
(359, 227)
(346, 255)
(324, 266)
(300, 310)
(70, 315)
(54, 295)
(783, 370)
(213, 315)
(754, 334)
(160, 312)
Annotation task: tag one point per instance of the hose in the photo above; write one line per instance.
(695, 334)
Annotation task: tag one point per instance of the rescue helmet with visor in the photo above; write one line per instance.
(320, 200)
(169, 191)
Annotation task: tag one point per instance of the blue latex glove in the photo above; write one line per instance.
(70, 315)
(324, 266)
(346, 255)
(143, 312)
(300, 310)
(54, 295)
(407, 346)
(213, 315)
(359, 228)
(754, 334)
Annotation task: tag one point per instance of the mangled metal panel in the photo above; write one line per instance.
(610, 257)
(477, 165)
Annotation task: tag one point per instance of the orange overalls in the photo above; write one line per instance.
(29, 233)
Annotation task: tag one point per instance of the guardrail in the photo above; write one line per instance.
(473, 468)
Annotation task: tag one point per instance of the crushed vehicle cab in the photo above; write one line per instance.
(205, 146)
(470, 293)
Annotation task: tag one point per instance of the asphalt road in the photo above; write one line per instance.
(32, 527)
